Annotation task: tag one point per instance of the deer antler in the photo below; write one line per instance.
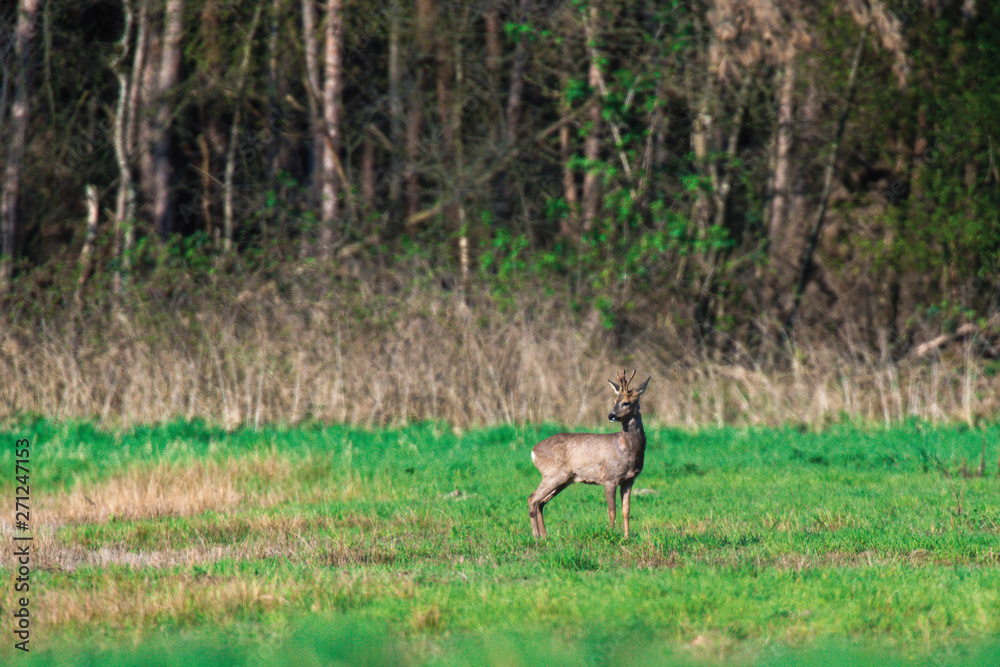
(629, 377)
(621, 379)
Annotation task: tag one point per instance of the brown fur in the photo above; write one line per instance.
(612, 460)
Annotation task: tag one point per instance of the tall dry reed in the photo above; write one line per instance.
(363, 358)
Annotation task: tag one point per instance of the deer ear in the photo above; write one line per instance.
(643, 387)
(614, 386)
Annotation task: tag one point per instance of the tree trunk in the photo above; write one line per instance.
(491, 21)
(234, 131)
(50, 93)
(396, 123)
(148, 90)
(515, 98)
(444, 92)
(93, 206)
(332, 83)
(415, 114)
(169, 73)
(650, 151)
(591, 150)
(310, 43)
(900, 195)
(124, 137)
(701, 137)
(722, 180)
(777, 224)
(447, 117)
(24, 43)
(569, 225)
(277, 89)
(459, 188)
(414, 121)
(211, 141)
(368, 173)
(805, 264)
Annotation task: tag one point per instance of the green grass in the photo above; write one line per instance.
(413, 545)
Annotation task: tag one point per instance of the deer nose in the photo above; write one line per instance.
(611, 417)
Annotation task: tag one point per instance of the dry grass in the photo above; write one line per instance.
(393, 359)
(163, 490)
(171, 489)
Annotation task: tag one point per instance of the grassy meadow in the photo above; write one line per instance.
(190, 544)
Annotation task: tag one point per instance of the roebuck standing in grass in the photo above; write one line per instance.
(609, 459)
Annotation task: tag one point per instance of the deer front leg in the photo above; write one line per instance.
(609, 495)
(626, 496)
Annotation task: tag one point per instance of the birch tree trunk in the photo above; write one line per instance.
(24, 43)
(701, 137)
(592, 145)
(777, 223)
(332, 83)
(147, 84)
(234, 129)
(169, 73)
(310, 43)
(124, 137)
(93, 205)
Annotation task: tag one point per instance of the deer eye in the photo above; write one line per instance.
(625, 404)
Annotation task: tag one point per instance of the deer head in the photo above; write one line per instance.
(626, 398)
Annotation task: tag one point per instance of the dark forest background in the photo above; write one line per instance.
(383, 211)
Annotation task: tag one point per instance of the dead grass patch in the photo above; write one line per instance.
(189, 489)
(164, 490)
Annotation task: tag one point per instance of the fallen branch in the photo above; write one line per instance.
(934, 344)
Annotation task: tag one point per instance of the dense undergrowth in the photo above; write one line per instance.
(247, 344)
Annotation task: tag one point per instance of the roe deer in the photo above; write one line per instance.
(608, 459)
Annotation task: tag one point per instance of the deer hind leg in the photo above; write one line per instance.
(609, 495)
(534, 513)
(626, 498)
(536, 503)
